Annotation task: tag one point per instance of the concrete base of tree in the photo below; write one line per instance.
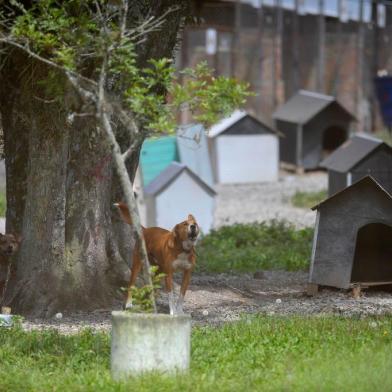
(149, 342)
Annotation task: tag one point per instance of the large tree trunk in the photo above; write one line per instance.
(59, 196)
(93, 265)
(42, 252)
(60, 190)
(16, 151)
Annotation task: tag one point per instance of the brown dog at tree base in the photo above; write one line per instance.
(170, 251)
(9, 244)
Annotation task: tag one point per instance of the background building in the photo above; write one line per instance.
(334, 47)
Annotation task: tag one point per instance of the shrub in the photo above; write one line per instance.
(250, 247)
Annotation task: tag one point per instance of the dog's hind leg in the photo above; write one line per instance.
(136, 267)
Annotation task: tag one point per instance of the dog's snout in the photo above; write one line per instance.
(10, 248)
(193, 227)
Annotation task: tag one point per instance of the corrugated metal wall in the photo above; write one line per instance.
(279, 49)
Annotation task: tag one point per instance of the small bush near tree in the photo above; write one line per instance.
(251, 247)
(142, 296)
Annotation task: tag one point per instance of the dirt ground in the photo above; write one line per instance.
(216, 299)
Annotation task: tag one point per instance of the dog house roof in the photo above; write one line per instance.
(351, 152)
(167, 176)
(367, 181)
(305, 105)
(236, 116)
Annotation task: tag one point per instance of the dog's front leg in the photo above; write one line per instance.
(170, 291)
(172, 304)
(180, 304)
(184, 286)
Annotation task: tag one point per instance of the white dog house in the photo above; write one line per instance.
(243, 149)
(192, 147)
(175, 193)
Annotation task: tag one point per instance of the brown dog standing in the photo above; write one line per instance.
(170, 251)
(9, 244)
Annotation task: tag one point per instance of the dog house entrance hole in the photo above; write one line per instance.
(373, 254)
(333, 137)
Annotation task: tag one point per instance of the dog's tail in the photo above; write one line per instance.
(124, 212)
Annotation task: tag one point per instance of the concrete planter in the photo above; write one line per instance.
(149, 342)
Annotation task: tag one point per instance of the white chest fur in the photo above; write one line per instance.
(182, 262)
(187, 244)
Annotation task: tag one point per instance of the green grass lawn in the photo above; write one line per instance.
(257, 354)
(308, 199)
(257, 246)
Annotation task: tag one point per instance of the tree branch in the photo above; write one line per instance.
(123, 24)
(123, 175)
(127, 120)
(85, 94)
(26, 49)
(129, 199)
(150, 24)
(128, 153)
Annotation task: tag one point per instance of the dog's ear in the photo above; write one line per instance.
(18, 238)
(191, 217)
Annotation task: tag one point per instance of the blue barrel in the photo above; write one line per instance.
(384, 94)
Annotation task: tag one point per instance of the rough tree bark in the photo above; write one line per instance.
(61, 186)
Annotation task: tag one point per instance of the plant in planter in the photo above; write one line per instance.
(91, 44)
(142, 296)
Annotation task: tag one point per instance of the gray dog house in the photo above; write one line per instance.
(313, 125)
(358, 157)
(352, 242)
(175, 193)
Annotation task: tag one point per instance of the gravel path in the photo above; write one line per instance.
(226, 297)
(216, 299)
(246, 203)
